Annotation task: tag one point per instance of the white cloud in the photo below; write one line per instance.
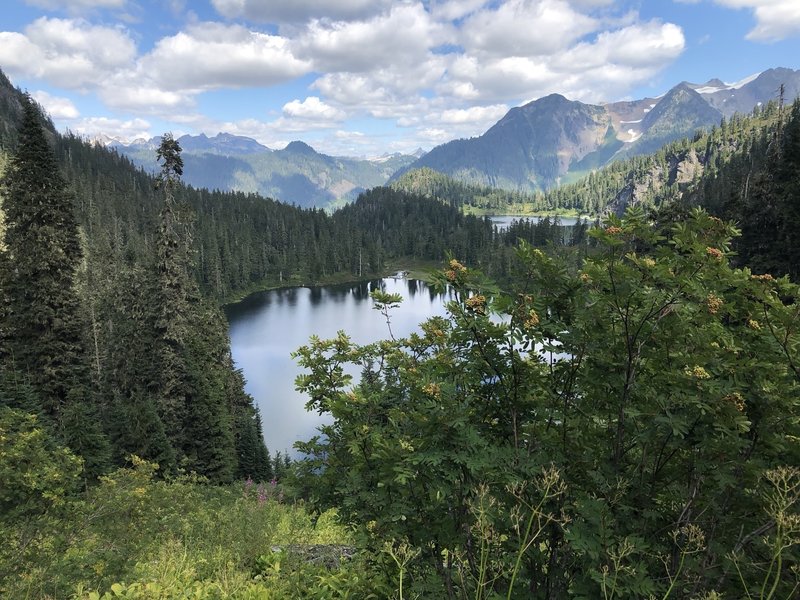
(385, 92)
(297, 11)
(351, 89)
(124, 130)
(401, 37)
(136, 94)
(591, 3)
(212, 55)
(525, 28)
(67, 52)
(775, 19)
(499, 79)
(435, 126)
(650, 44)
(349, 135)
(58, 107)
(434, 135)
(605, 67)
(309, 115)
(479, 116)
(312, 109)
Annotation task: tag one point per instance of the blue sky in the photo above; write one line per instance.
(365, 77)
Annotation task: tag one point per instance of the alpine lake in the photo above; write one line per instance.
(266, 327)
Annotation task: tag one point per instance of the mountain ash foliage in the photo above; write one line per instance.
(627, 430)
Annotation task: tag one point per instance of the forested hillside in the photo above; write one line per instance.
(467, 196)
(744, 170)
(105, 333)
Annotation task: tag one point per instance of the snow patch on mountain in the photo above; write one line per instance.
(743, 82)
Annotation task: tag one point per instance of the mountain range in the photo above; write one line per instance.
(297, 174)
(554, 140)
(537, 146)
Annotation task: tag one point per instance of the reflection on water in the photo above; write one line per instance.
(267, 326)
(503, 221)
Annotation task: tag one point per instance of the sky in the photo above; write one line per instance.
(368, 77)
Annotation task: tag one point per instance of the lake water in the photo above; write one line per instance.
(503, 221)
(267, 326)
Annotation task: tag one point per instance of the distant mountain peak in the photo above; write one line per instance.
(299, 147)
(222, 143)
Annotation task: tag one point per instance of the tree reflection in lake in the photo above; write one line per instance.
(267, 326)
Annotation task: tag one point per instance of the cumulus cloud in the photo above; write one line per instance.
(312, 109)
(650, 44)
(58, 107)
(525, 28)
(606, 66)
(775, 19)
(436, 126)
(212, 55)
(590, 4)
(69, 53)
(452, 10)
(474, 115)
(298, 11)
(402, 36)
(132, 93)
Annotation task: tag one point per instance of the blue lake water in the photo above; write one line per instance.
(267, 326)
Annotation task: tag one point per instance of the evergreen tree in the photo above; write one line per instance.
(172, 295)
(42, 326)
(43, 331)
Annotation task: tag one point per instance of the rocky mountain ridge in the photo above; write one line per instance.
(553, 140)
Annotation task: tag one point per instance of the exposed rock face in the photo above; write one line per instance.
(742, 97)
(679, 113)
(686, 170)
(681, 171)
(636, 191)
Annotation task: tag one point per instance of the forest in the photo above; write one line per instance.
(609, 412)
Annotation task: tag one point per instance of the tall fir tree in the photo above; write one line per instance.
(172, 297)
(42, 327)
(43, 346)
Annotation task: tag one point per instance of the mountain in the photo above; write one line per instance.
(553, 140)
(222, 143)
(529, 148)
(297, 174)
(755, 90)
(679, 113)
